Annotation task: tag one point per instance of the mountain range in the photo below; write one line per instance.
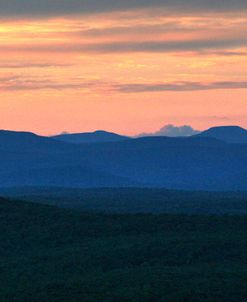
(212, 160)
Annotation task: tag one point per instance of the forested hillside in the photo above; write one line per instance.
(55, 255)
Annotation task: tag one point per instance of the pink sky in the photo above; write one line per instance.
(128, 72)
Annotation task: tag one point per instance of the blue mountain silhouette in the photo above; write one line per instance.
(192, 163)
(230, 134)
(90, 137)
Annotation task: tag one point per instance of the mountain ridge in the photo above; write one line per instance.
(187, 163)
(229, 134)
(97, 136)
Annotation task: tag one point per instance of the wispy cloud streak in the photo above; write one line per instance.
(15, 83)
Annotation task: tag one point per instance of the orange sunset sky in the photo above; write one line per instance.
(122, 66)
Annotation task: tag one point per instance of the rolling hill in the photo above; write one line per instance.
(229, 134)
(17, 141)
(90, 137)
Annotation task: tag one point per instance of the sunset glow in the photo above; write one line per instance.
(128, 71)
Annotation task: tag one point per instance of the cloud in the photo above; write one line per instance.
(20, 65)
(136, 29)
(22, 83)
(219, 118)
(4, 79)
(179, 86)
(173, 131)
(164, 46)
(19, 8)
(226, 53)
(194, 45)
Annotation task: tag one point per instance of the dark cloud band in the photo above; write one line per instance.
(179, 86)
(132, 46)
(34, 8)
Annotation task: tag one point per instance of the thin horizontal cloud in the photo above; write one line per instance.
(164, 25)
(219, 118)
(25, 65)
(225, 53)
(29, 83)
(193, 45)
(146, 29)
(19, 83)
(8, 78)
(32, 8)
(179, 86)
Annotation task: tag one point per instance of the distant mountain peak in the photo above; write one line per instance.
(102, 131)
(9, 134)
(98, 136)
(229, 134)
(4, 131)
(16, 141)
(229, 127)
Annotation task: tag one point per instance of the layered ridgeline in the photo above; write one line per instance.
(203, 162)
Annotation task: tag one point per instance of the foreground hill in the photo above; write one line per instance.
(90, 137)
(229, 134)
(51, 255)
(193, 163)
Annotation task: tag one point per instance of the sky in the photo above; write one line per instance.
(123, 66)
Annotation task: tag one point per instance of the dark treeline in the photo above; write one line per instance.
(50, 254)
(135, 200)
